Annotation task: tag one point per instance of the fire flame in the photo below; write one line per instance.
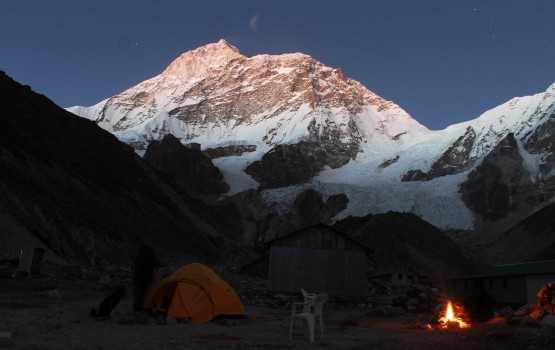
(450, 320)
(449, 314)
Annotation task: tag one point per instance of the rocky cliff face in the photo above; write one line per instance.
(455, 159)
(288, 165)
(500, 184)
(503, 193)
(260, 221)
(529, 118)
(215, 96)
(539, 142)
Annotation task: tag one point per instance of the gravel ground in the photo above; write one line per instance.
(49, 312)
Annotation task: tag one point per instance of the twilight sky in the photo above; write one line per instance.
(443, 61)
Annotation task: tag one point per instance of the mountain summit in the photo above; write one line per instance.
(215, 96)
(196, 63)
(285, 123)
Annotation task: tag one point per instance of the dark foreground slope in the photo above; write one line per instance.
(75, 189)
(404, 239)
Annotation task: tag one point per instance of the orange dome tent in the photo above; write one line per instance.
(196, 294)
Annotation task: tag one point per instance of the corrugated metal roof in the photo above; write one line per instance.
(530, 268)
(322, 225)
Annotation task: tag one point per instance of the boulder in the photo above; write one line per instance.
(507, 312)
(548, 321)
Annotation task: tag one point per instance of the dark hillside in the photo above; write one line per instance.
(74, 188)
(531, 239)
(404, 239)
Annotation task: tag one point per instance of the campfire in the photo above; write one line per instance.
(452, 319)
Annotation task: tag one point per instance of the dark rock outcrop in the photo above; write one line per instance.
(287, 165)
(228, 151)
(454, 160)
(388, 162)
(328, 137)
(310, 209)
(187, 167)
(540, 141)
(260, 222)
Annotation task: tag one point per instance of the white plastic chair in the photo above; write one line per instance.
(307, 297)
(312, 310)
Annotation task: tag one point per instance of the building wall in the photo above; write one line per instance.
(400, 278)
(403, 277)
(317, 270)
(507, 290)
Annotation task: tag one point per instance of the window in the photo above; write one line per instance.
(505, 283)
(400, 276)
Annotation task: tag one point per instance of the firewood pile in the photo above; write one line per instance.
(546, 302)
(542, 313)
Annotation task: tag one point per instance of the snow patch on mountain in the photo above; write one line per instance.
(233, 170)
(530, 162)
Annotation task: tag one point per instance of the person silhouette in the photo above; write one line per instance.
(480, 304)
(144, 266)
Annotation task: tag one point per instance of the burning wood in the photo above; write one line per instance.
(454, 317)
(452, 320)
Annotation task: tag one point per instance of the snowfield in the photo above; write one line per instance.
(369, 192)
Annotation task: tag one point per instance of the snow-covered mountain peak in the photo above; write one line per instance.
(198, 61)
(292, 105)
(214, 95)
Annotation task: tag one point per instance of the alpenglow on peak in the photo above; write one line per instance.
(214, 95)
(196, 62)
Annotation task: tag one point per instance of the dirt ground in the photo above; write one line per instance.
(49, 312)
